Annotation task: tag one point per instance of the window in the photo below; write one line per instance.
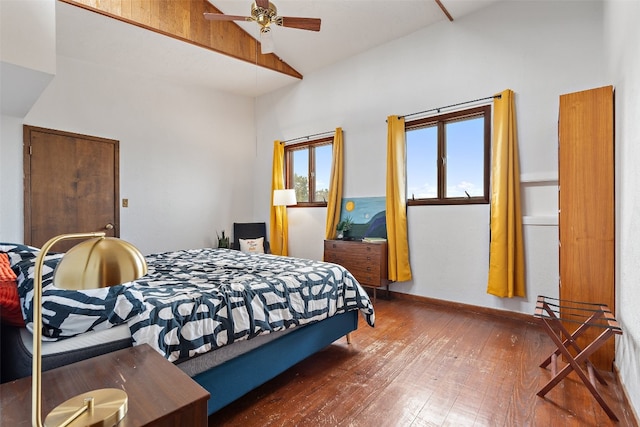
(308, 170)
(448, 158)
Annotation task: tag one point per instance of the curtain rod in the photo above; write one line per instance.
(308, 136)
(452, 105)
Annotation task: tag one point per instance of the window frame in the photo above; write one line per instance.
(289, 180)
(440, 121)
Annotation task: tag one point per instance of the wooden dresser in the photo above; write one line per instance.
(366, 261)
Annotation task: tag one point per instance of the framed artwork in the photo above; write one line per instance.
(368, 215)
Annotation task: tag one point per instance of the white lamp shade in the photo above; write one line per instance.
(266, 41)
(284, 197)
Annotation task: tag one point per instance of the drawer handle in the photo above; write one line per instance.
(368, 268)
(368, 258)
(368, 248)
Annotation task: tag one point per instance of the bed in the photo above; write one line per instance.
(230, 320)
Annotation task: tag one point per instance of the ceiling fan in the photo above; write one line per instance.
(265, 14)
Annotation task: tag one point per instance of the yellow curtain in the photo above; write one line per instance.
(396, 203)
(334, 202)
(506, 250)
(279, 225)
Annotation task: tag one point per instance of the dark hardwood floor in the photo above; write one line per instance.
(425, 365)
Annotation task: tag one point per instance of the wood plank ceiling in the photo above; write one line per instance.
(183, 20)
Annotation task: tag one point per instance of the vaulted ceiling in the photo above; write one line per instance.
(170, 38)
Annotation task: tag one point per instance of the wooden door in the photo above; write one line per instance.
(586, 202)
(71, 184)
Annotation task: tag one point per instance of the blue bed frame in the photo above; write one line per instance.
(236, 377)
(227, 381)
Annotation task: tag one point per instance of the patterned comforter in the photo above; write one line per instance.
(192, 301)
(197, 300)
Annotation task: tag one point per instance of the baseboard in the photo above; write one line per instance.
(625, 395)
(466, 307)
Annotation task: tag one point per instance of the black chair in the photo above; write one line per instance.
(249, 230)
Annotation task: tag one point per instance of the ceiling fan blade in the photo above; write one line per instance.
(221, 17)
(266, 41)
(311, 24)
(263, 4)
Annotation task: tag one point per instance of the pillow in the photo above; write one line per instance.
(18, 252)
(253, 246)
(66, 313)
(10, 311)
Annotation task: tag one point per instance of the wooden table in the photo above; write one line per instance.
(159, 393)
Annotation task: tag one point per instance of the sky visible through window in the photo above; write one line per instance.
(323, 165)
(324, 155)
(301, 162)
(465, 155)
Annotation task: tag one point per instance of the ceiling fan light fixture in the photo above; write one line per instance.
(266, 40)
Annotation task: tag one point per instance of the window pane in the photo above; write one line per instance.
(323, 172)
(422, 163)
(308, 170)
(301, 174)
(465, 151)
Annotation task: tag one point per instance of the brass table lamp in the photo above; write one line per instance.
(96, 263)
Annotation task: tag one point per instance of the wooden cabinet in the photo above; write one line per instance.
(366, 261)
(586, 204)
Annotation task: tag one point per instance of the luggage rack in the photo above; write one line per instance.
(588, 315)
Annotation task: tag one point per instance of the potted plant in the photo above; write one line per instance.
(344, 227)
(223, 242)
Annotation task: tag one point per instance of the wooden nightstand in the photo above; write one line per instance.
(366, 261)
(159, 393)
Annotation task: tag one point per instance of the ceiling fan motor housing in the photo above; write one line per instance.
(264, 17)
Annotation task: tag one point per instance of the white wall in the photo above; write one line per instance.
(11, 179)
(27, 65)
(624, 61)
(27, 52)
(186, 153)
(538, 49)
(28, 34)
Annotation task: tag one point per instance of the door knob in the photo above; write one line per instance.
(108, 226)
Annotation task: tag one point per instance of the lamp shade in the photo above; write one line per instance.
(266, 41)
(99, 263)
(284, 197)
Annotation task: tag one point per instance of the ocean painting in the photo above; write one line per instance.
(368, 215)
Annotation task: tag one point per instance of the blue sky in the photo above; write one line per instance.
(323, 158)
(465, 153)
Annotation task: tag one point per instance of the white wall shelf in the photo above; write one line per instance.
(549, 177)
(540, 220)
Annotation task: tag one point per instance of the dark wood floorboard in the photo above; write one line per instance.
(424, 365)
